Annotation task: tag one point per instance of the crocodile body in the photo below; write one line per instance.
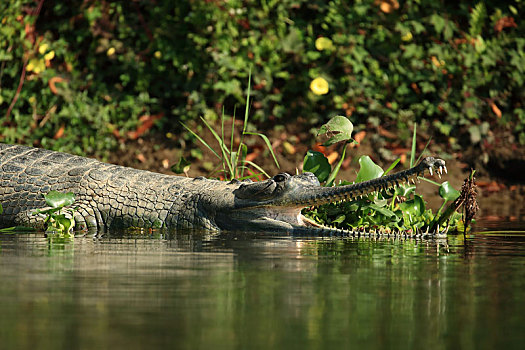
(113, 196)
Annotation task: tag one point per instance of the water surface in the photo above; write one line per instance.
(196, 291)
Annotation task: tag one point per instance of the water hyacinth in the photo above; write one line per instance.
(319, 86)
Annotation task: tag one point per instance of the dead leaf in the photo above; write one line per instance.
(250, 157)
(495, 109)
(319, 148)
(332, 157)
(359, 137)
(141, 158)
(388, 6)
(415, 88)
(60, 132)
(505, 22)
(399, 150)
(146, 122)
(288, 147)
(386, 133)
(52, 83)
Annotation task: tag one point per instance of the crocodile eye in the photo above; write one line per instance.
(280, 177)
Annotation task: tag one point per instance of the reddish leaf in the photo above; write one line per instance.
(318, 147)
(495, 109)
(147, 122)
(60, 132)
(52, 83)
(332, 157)
(505, 22)
(252, 156)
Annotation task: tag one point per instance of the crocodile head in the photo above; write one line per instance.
(276, 204)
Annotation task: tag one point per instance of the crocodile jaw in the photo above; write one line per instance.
(283, 213)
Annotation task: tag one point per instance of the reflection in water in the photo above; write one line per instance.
(197, 290)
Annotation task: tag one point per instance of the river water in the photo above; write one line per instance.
(245, 291)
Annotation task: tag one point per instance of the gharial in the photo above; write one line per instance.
(113, 196)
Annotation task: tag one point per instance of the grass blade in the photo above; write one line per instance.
(247, 108)
(257, 167)
(201, 140)
(392, 166)
(424, 149)
(268, 144)
(334, 172)
(413, 149)
(222, 145)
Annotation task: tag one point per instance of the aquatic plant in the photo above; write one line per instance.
(59, 217)
(399, 209)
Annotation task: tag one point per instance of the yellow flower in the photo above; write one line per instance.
(111, 51)
(35, 65)
(319, 86)
(323, 44)
(157, 54)
(43, 48)
(407, 37)
(30, 66)
(49, 56)
(32, 100)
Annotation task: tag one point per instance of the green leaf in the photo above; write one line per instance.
(415, 207)
(182, 166)
(316, 162)
(404, 191)
(447, 192)
(15, 229)
(368, 169)
(380, 202)
(340, 219)
(57, 199)
(62, 224)
(338, 128)
(382, 210)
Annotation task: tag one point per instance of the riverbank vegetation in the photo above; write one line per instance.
(88, 76)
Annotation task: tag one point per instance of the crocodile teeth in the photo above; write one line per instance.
(445, 168)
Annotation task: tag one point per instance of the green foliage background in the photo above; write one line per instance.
(456, 68)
